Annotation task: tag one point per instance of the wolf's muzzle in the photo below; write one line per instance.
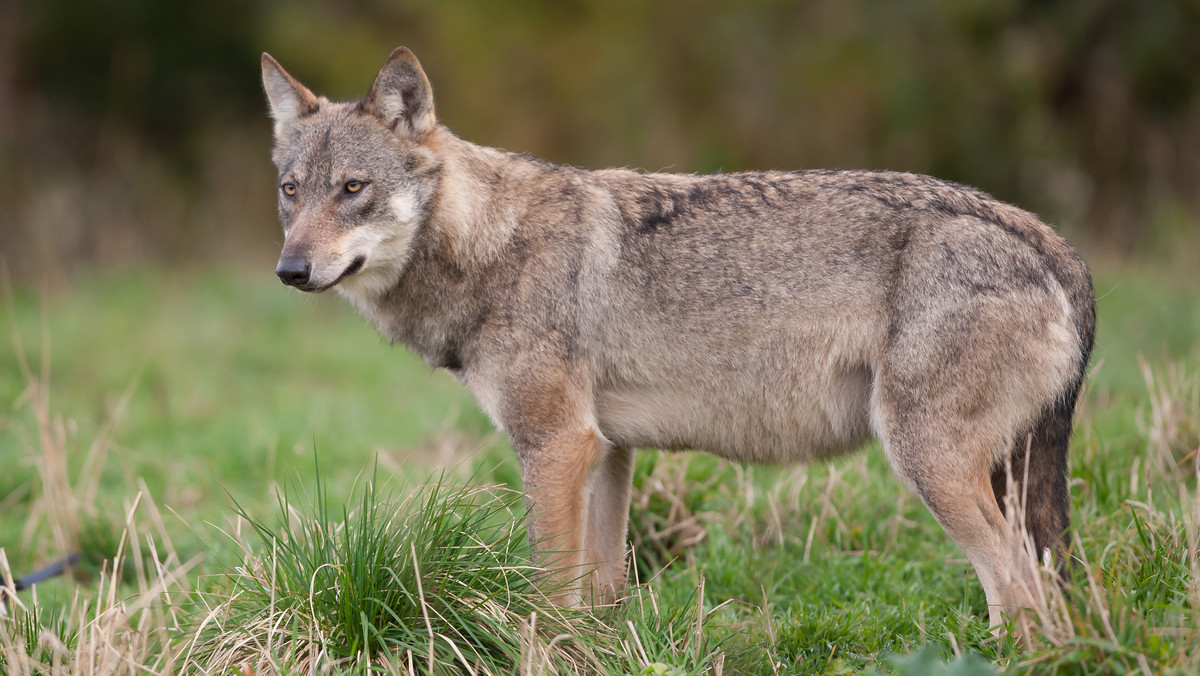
(293, 270)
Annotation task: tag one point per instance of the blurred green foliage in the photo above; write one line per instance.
(134, 128)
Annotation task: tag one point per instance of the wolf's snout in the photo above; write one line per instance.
(293, 270)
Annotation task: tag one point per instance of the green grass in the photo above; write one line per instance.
(372, 584)
(173, 411)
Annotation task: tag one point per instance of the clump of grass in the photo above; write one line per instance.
(439, 580)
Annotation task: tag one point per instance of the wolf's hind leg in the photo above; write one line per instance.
(952, 475)
(608, 523)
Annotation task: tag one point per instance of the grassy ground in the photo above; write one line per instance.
(151, 419)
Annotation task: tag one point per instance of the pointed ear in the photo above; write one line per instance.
(288, 98)
(402, 97)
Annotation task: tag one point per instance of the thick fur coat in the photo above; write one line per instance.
(765, 317)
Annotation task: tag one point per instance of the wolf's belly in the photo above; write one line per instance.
(786, 418)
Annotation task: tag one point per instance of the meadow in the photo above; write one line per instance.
(258, 484)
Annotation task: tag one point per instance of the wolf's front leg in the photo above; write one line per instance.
(556, 476)
(608, 523)
(577, 483)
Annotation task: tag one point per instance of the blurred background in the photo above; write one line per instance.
(135, 130)
(148, 352)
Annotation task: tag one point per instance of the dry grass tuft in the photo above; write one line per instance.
(1170, 422)
(667, 515)
(115, 630)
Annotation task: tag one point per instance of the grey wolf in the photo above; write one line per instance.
(768, 317)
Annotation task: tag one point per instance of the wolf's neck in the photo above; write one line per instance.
(472, 219)
(478, 204)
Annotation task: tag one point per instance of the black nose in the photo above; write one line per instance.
(293, 270)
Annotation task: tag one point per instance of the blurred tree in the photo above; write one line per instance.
(159, 70)
(133, 128)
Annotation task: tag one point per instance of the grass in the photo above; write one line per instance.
(165, 426)
(440, 580)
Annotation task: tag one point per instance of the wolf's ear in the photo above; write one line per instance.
(402, 97)
(288, 98)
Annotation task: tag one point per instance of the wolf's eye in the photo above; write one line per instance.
(353, 186)
(289, 189)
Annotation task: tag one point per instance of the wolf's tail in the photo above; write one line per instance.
(1039, 459)
(1039, 475)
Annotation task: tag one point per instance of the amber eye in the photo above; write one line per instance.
(353, 186)
(289, 189)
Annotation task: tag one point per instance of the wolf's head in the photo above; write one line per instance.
(355, 179)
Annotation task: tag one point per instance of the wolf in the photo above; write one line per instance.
(768, 317)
